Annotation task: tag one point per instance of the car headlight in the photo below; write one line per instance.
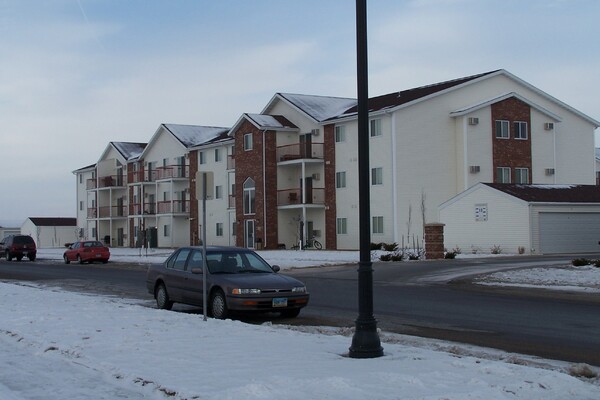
(245, 291)
(299, 289)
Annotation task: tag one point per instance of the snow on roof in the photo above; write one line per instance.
(551, 193)
(264, 121)
(129, 150)
(193, 135)
(320, 108)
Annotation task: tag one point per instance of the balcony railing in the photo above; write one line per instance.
(112, 211)
(299, 151)
(231, 201)
(294, 196)
(142, 176)
(143, 209)
(92, 213)
(230, 162)
(111, 181)
(90, 184)
(173, 207)
(173, 171)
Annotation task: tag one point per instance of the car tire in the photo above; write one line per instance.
(162, 298)
(31, 257)
(218, 305)
(104, 261)
(8, 256)
(79, 259)
(292, 313)
(67, 261)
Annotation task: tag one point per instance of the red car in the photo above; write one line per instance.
(87, 251)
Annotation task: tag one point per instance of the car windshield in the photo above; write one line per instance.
(236, 263)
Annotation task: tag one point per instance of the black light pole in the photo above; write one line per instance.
(365, 342)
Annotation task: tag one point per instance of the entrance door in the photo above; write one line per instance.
(308, 182)
(120, 237)
(249, 233)
(306, 146)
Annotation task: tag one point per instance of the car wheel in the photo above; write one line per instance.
(104, 261)
(8, 256)
(218, 305)
(67, 261)
(79, 260)
(31, 257)
(293, 313)
(162, 298)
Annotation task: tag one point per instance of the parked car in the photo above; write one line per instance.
(18, 246)
(87, 251)
(237, 279)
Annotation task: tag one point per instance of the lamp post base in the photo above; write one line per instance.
(365, 342)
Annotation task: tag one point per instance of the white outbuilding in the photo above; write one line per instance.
(530, 219)
(51, 232)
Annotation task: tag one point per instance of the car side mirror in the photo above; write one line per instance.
(276, 268)
(196, 270)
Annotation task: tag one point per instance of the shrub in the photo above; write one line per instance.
(521, 250)
(376, 246)
(496, 249)
(389, 246)
(450, 255)
(385, 257)
(457, 250)
(397, 257)
(580, 262)
(597, 263)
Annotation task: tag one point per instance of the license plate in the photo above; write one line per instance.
(280, 302)
(98, 255)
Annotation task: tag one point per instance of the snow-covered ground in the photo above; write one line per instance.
(64, 345)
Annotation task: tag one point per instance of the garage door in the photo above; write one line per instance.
(569, 232)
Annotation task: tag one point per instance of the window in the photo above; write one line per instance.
(340, 134)
(165, 162)
(219, 229)
(217, 155)
(377, 225)
(522, 175)
(598, 178)
(94, 233)
(502, 129)
(342, 228)
(201, 157)
(218, 192)
(375, 127)
(377, 176)
(340, 179)
(520, 130)
(234, 228)
(166, 230)
(80, 178)
(502, 175)
(81, 206)
(249, 196)
(248, 141)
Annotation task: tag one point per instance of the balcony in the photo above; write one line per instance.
(174, 207)
(92, 213)
(90, 184)
(142, 176)
(299, 151)
(231, 201)
(289, 197)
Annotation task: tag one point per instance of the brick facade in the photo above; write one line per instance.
(434, 241)
(330, 189)
(249, 164)
(511, 152)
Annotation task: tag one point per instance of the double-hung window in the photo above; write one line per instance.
(219, 229)
(503, 175)
(377, 225)
(248, 141)
(249, 196)
(522, 175)
(342, 226)
(375, 127)
(340, 133)
(502, 129)
(201, 157)
(377, 176)
(340, 179)
(217, 155)
(520, 130)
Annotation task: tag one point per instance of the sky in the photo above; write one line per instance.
(77, 74)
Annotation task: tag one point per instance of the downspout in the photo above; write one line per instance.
(395, 178)
(465, 155)
(554, 144)
(264, 150)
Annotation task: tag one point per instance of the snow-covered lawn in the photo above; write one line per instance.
(63, 345)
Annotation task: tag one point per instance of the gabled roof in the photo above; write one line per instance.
(317, 108)
(129, 150)
(395, 99)
(193, 135)
(550, 193)
(265, 122)
(86, 168)
(482, 104)
(52, 221)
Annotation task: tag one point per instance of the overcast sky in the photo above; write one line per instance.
(77, 74)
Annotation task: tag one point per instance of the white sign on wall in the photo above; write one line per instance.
(481, 212)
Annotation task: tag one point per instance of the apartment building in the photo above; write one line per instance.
(290, 173)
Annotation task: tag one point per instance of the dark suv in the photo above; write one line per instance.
(18, 246)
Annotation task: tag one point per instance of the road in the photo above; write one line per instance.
(429, 299)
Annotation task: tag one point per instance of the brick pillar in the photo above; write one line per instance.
(434, 241)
